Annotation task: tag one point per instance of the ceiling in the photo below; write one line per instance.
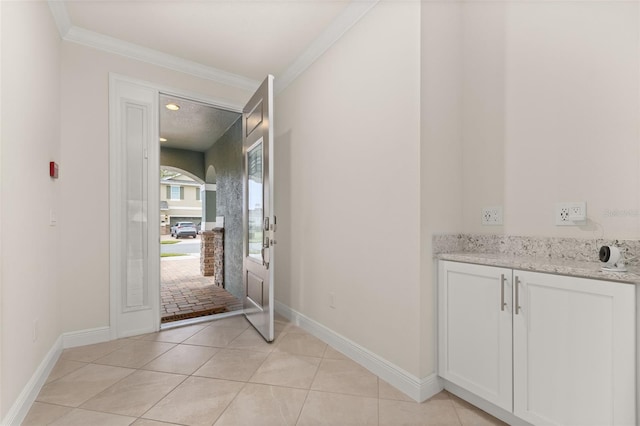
(195, 126)
(235, 42)
(248, 38)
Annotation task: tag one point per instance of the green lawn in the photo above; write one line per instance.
(169, 242)
(171, 254)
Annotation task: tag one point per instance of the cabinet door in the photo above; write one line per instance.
(475, 330)
(574, 350)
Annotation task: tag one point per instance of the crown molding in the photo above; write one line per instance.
(155, 57)
(354, 11)
(60, 16)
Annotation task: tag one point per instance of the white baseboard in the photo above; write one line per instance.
(86, 337)
(416, 388)
(22, 405)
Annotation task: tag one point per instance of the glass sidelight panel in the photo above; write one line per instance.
(255, 201)
(135, 177)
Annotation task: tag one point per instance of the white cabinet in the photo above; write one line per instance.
(569, 343)
(475, 330)
(574, 351)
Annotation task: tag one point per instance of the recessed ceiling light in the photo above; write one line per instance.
(172, 107)
(163, 139)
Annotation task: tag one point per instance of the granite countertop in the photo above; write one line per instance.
(573, 268)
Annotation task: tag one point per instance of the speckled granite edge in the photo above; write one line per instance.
(585, 250)
(564, 256)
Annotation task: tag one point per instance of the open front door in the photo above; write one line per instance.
(258, 216)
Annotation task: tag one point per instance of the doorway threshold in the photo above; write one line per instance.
(198, 320)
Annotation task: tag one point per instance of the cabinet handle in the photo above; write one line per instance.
(517, 304)
(502, 304)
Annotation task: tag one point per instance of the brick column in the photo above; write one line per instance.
(212, 255)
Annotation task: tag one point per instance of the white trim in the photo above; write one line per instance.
(174, 207)
(210, 187)
(351, 14)
(90, 336)
(60, 16)
(418, 389)
(130, 50)
(186, 94)
(22, 404)
(179, 183)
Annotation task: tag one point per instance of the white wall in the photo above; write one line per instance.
(572, 102)
(347, 153)
(30, 262)
(440, 151)
(526, 104)
(551, 114)
(85, 175)
(483, 111)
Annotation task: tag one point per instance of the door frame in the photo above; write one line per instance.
(116, 169)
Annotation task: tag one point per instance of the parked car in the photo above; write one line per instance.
(184, 229)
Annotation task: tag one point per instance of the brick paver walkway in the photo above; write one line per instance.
(185, 291)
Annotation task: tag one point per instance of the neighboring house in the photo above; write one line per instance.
(180, 200)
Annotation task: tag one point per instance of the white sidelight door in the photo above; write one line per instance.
(258, 215)
(134, 168)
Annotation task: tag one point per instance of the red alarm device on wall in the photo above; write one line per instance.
(53, 169)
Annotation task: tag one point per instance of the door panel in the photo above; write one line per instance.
(574, 348)
(258, 214)
(475, 330)
(255, 289)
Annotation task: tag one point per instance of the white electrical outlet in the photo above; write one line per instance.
(492, 215)
(571, 213)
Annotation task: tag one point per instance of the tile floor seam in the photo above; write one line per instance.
(158, 401)
(302, 407)
(136, 370)
(179, 344)
(260, 366)
(95, 359)
(97, 411)
(345, 394)
(55, 380)
(229, 404)
(455, 410)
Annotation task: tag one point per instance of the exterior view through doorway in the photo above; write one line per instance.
(200, 224)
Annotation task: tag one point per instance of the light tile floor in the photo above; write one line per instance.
(223, 373)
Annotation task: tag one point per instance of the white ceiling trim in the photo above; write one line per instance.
(155, 57)
(338, 27)
(354, 11)
(61, 16)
